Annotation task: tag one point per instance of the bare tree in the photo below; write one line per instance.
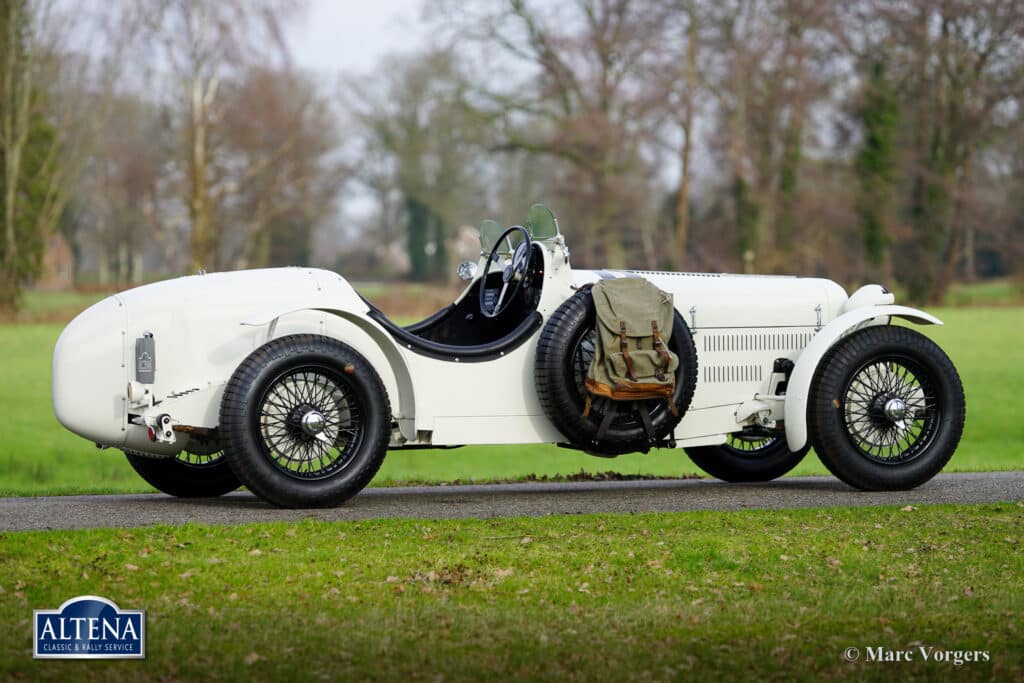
(690, 85)
(958, 65)
(589, 101)
(764, 73)
(55, 100)
(279, 129)
(422, 121)
(205, 42)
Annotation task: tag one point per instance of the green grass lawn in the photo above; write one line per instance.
(991, 293)
(38, 456)
(696, 595)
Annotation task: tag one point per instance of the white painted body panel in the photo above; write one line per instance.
(205, 325)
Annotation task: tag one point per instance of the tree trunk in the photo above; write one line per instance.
(103, 267)
(957, 240)
(199, 201)
(16, 97)
(417, 217)
(683, 200)
(610, 234)
(970, 249)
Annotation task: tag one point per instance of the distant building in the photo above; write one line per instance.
(58, 265)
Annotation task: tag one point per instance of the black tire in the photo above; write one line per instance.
(186, 475)
(855, 431)
(747, 458)
(561, 366)
(268, 442)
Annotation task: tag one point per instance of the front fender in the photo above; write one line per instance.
(799, 387)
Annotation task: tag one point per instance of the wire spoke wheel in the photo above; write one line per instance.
(191, 459)
(310, 422)
(750, 445)
(754, 454)
(886, 409)
(891, 409)
(201, 452)
(199, 471)
(305, 421)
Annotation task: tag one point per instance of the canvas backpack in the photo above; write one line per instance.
(632, 361)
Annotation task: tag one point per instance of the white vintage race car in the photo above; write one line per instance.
(288, 381)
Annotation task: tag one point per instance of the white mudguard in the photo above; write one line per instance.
(799, 387)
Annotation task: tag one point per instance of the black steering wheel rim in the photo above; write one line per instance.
(512, 276)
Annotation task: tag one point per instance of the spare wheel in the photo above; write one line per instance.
(564, 352)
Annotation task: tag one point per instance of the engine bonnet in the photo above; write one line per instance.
(712, 300)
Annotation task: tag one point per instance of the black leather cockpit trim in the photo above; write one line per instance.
(460, 354)
(430, 320)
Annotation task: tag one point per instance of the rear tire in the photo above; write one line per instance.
(186, 475)
(305, 421)
(744, 459)
(860, 390)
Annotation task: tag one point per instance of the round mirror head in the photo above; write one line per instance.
(467, 270)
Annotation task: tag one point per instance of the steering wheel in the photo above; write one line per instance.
(512, 276)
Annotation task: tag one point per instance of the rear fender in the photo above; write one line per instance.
(799, 387)
(359, 332)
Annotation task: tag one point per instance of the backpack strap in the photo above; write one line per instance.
(624, 348)
(645, 418)
(659, 346)
(602, 430)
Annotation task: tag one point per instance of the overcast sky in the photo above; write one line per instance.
(352, 35)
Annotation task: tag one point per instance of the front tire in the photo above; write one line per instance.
(186, 475)
(745, 458)
(886, 410)
(305, 421)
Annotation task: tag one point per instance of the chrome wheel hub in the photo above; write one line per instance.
(895, 409)
(313, 423)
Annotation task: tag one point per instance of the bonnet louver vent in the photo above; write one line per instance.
(761, 341)
(733, 373)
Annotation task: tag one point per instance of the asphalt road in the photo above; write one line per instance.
(504, 500)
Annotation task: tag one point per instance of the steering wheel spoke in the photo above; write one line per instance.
(501, 296)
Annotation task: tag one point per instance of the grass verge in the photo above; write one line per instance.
(709, 595)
